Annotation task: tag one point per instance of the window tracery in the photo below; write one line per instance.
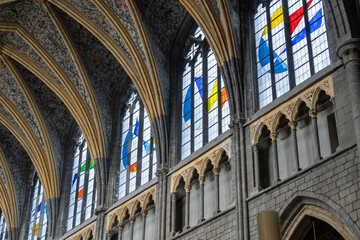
(202, 121)
(39, 213)
(138, 151)
(83, 195)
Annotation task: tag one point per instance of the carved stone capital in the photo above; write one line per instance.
(144, 213)
(99, 210)
(187, 188)
(121, 227)
(216, 171)
(313, 113)
(273, 136)
(293, 124)
(349, 50)
(202, 179)
(132, 220)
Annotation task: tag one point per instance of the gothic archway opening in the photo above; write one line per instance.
(312, 228)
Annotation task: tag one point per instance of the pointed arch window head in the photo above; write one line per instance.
(3, 230)
(39, 213)
(291, 45)
(138, 150)
(205, 109)
(83, 195)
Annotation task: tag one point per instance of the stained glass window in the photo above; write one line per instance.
(39, 213)
(138, 155)
(83, 195)
(3, 231)
(202, 121)
(294, 32)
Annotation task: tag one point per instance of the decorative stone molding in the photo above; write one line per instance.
(130, 207)
(199, 164)
(84, 233)
(349, 50)
(290, 108)
(319, 213)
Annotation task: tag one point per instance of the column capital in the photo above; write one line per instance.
(273, 136)
(144, 213)
(313, 113)
(293, 124)
(201, 179)
(132, 220)
(349, 50)
(187, 188)
(121, 226)
(99, 210)
(216, 171)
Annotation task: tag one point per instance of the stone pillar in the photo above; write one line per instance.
(100, 222)
(315, 130)
(276, 178)
(144, 214)
(187, 207)
(294, 152)
(160, 204)
(201, 181)
(121, 227)
(269, 225)
(349, 53)
(216, 172)
(256, 166)
(173, 213)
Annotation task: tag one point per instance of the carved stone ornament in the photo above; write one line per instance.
(84, 232)
(290, 108)
(199, 164)
(349, 50)
(130, 206)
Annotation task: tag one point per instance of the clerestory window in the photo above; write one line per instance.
(205, 109)
(82, 191)
(39, 213)
(291, 45)
(138, 151)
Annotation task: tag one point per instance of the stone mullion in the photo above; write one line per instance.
(205, 99)
(308, 38)
(77, 185)
(127, 183)
(86, 189)
(271, 55)
(151, 157)
(289, 52)
(192, 111)
(294, 149)
(140, 146)
(315, 131)
(219, 100)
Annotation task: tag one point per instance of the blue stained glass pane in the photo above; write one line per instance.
(187, 105)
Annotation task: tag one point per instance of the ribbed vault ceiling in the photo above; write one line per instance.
(60, 61)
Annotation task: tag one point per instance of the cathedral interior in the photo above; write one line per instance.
(179, 119)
